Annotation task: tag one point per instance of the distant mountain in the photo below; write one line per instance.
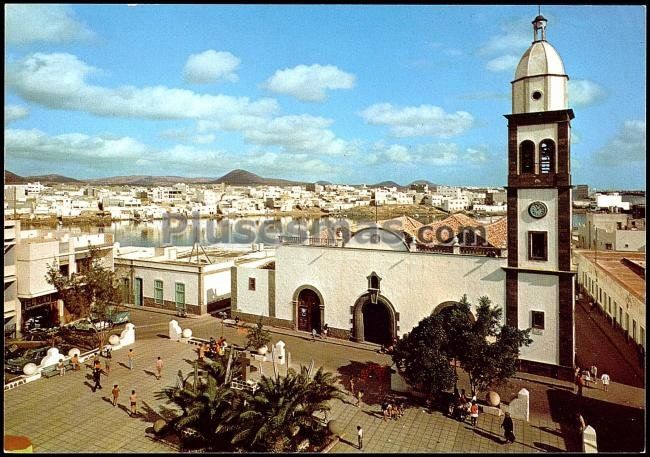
(246, 178)
(53, 178)
(423, 181)
(144, 180)
(323, 183)
(387, 184)
(13, 178)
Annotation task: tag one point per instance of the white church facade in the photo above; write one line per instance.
(378, 285)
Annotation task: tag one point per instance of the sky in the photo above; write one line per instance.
(348, 93)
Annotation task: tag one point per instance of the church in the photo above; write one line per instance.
(378, 284)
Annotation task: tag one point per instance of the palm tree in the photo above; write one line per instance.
(282, 405)
(207, 408)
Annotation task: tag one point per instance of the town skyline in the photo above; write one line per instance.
(393, 93)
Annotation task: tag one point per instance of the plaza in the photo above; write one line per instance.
(62, 414)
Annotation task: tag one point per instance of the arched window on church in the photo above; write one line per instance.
(547, 156)
(527, 157)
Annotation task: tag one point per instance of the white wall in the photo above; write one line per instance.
(253, 301)
(540, 293)
(415, 283)
(216, 284)
(547, 224)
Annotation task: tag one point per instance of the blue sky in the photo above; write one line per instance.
(348, 93)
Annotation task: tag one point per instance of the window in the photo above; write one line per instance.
(634, 330)
(251, 283)
(527, 157)
(620, 315)
(158, 291)
(537, 246)
(627, 321)
(538, 320)
(608, 246)
(547, 156)
(180, 295)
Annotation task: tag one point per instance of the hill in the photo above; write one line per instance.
(13, 178)
(423, 181)
(387, 184)
(53, 178)
(246, 178)
(144, 180)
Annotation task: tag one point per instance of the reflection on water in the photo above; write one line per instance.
(228, 231)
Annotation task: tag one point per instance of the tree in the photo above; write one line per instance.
(208, 408)
(491, 350)
(258, 337)
(282, 406)
(457, 322)
(422, 356)
(94, 292)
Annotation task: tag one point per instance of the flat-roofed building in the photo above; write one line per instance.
(12, 306)
(616, 283)
(192, 280)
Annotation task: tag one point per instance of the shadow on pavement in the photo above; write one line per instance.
(488, 435)
(546, 447)
(150, 373)
(371, 377)
(619, 428)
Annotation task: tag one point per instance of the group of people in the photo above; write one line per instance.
(391, 409)
(463, 406)
(213, 348)
(581, 380)
(314, 333)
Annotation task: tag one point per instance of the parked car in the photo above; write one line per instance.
(114, 315)
(87, 325)
(16, 364)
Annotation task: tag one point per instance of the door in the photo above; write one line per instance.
(308, 311)
(137, 291)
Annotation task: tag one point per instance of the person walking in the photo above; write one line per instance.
(116, 393)
(130, 357)
(313, 334)
(473, 413)
(594, 372)
(359, 397)
(352, 382)
(75, 361)
(133, 399)
(97, 373)
(61, 367)
(508, 429)
(325, 330)
(179, 380)
(360, 436)
(159, 367)
(604, 378)
(581, 383)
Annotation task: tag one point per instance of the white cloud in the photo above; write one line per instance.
(211, 66)
(309, 83)
(15, 113)
(503, 63)
(629, 145)
(58, 81)
(423, 120)
(46, 23)
(434, 154)
(72, 147)
(583, 93)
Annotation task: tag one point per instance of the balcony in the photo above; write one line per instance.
(307, 241)
(463, 250)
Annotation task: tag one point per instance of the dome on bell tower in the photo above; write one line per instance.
(540, 82)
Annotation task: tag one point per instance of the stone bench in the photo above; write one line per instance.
(53, 370)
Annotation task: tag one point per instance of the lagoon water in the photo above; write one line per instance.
(225, 231)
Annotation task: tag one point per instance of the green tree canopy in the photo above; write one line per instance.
(422, 357)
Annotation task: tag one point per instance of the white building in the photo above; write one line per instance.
(615, 281)
(612, 232)
(36, 251)
(12, 306)
(613, 202)
(195, 280)
(376, 286)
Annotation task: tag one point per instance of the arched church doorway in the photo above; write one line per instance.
(374, 322)
(445, 310)
(309, 310)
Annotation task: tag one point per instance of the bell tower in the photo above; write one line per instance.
(539, 281)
